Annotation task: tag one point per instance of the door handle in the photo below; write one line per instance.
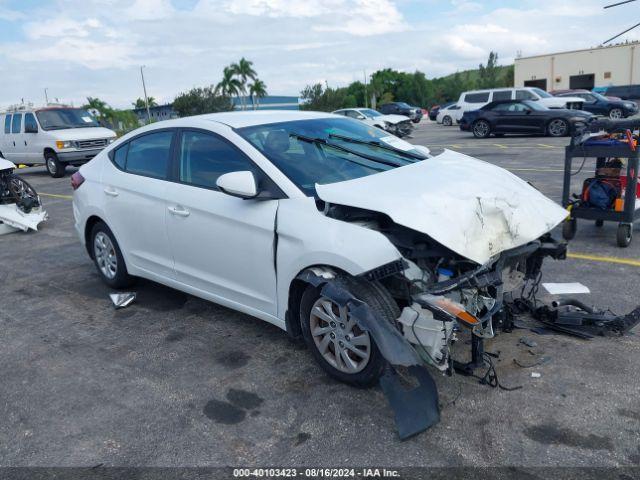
(178, 210)
(111, 192)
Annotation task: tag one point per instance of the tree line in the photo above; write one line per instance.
(413, 88)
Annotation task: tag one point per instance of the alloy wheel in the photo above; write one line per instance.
(558, 128)
(615, 113)
(105, 254)
(338, 338)
(481, 129)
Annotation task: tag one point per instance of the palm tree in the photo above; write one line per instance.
(257, 90)
(229, 85)
(244, 70)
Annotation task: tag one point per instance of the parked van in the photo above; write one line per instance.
(476, 99)
(56, 136)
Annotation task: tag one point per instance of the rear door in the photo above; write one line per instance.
(6, 144)
(222, 245)
(135, 200)
(14, 138)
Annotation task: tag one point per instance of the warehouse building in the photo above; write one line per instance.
(614, 65)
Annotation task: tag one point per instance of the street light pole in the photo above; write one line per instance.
(46, 96)
(146, 99)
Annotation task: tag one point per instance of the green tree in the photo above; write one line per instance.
(325, 99)
(198, 101)
(140, 103)
(257, 90)
(245, 72)
(488, 75)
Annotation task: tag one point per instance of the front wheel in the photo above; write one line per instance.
(569, 228)
(446, 121)
(54, 166)
(558, 128)
(616, 113)
(481, 129)
(343, 350)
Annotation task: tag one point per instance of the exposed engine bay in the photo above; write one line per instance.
(438, 289)
(20, 206)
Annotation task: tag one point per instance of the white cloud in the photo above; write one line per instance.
(149, 10)
(61, 27)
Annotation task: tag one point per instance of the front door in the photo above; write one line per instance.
(222, 245)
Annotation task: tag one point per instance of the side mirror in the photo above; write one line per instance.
(528, 111)
(30, 129)
(238, 184)
(361, 117)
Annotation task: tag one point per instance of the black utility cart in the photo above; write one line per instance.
(631, 208)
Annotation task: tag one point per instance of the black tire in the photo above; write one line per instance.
(624, 235)
(558, 127)
(379, 300)
(122, 279)
(55, 167)
(481, 129)
(569, 228)
(447, 121)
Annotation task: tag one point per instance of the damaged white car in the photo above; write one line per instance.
(20, 207)
(363, 244)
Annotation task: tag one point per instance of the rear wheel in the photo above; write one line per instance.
(55, 167)
(616, 113)
(108, 257)
(343, 350)
(446, 121)
(557, 127)
(624, 235)
(481, 129)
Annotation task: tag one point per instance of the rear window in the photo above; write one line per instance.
(149, 155)
(502, 95)
(7, 124)
(476, 97)
(525, 95)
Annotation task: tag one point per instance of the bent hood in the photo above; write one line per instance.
(472, 207)
(394, 119)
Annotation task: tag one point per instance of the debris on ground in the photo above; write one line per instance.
(122, 300)
(20, 207)
(528, 342)
(535, 375)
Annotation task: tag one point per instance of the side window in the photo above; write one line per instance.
(204, 157)
(525, 95)
(16, 123)
(477, 97)
(502, 95)
(30, 124)
(120, 156)
(7, 124)
(149, 155)
(352, 114)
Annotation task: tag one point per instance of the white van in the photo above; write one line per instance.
(56, 136)
(476, 99)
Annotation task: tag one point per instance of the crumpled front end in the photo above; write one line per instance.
(20, 206)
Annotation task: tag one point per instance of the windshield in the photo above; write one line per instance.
(59, 118)
(542, 93)
(370, 113)
(534, 105)
(319, 150)
(404, 105)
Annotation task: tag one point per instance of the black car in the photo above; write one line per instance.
(433, 111)
(601, 105)
(625, 92)
(401, 108)
(521, 116)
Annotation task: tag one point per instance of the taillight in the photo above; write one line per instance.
(76, 180)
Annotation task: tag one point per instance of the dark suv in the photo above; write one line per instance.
(601, 105)
(625, 92)
(401, 108)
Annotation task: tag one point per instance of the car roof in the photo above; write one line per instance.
(249, 118)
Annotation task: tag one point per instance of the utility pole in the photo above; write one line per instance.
(366, 103)
(146, 99)
(46, 96)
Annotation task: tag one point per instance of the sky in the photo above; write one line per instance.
(81, 48)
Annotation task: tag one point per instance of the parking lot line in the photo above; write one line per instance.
(598, 258)
(500, 145)
(54, 195)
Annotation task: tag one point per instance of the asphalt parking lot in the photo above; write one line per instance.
(175, 381)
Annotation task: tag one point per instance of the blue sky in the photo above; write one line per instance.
(80, 48)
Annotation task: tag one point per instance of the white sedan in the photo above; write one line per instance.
(447, 116)
(318, 224)
(399, 125)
